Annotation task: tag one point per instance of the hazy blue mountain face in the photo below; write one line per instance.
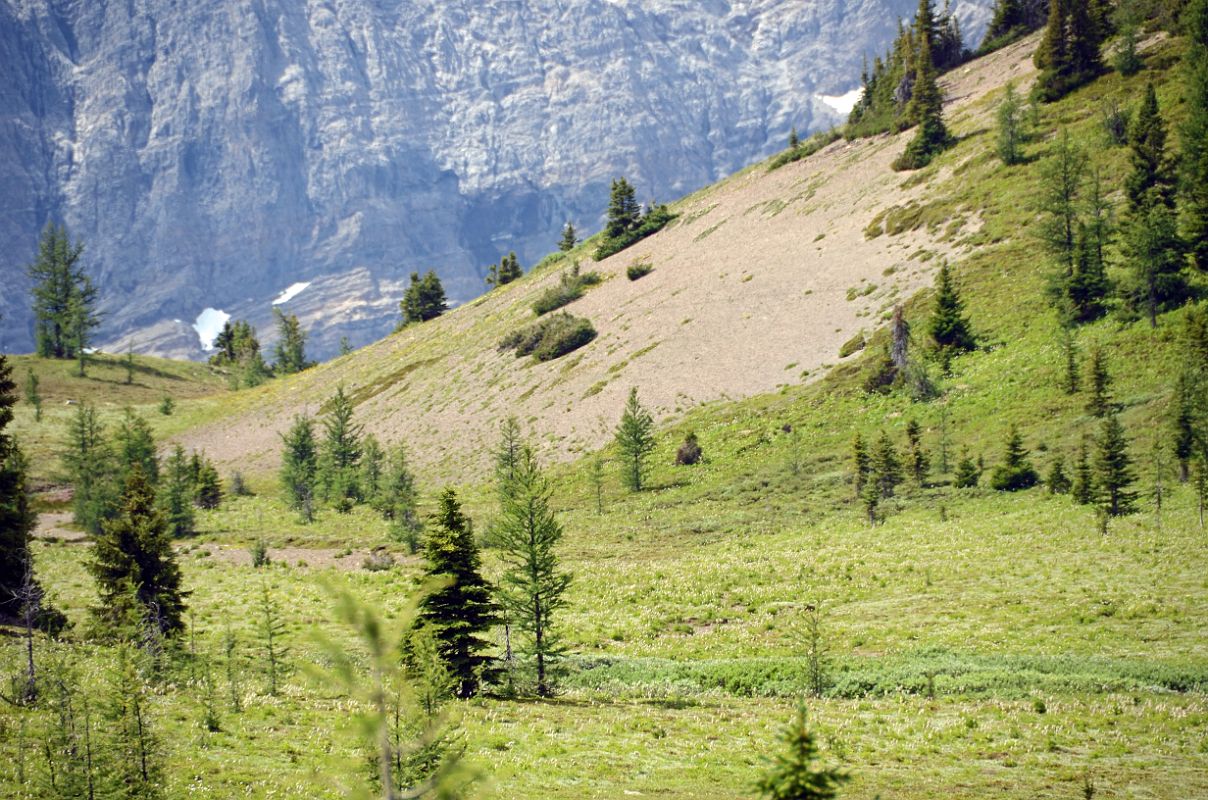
(215, 154)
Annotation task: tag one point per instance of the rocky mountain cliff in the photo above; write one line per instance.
(213, 155)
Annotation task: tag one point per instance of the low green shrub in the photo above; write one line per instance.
(639, 269)
(570, 288)
(853, 345)
(805, 149)
(550, 338)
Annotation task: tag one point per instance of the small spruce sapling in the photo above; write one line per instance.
(1015, 472)
(795, 773)
(1113, 470)
(32, 395)
(1099, 401)
(635, 440)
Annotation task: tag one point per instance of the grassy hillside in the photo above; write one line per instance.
(755, 286)
(979, 643)
(104, 385)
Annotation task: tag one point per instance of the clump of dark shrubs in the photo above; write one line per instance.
(639, 269)
(551, 337)
(570, 288)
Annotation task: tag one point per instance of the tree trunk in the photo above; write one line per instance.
(539, 646)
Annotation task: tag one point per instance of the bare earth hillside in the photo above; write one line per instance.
(756, 285)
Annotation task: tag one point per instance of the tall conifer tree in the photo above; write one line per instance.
(460, 611)
(949, 327)
(1113, 470)
(635, 440)
(300, 466)
(533, 585)
(1193, 135)
(133, 559)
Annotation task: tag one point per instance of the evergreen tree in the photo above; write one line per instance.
(32, 395)
(177, 494)
(1069, 347)
(861, 463)
(135, 753)
(506, 271)
(340, 453)
(1099, 403)
(1068, 56)
(968, 474)
(134, 553)
(415, 752)
(207, 493)
(507, 455)
(64, 297)
(1128, 20)
(920, 461)
(291, 344)
(569, 238)
(926, 109)
(1153, 255)
(399, 499)
(1061, 183)
(1013, 19)
(795, 773)
(870, 495)
(424, 299)
(1113, 470)
(1057, 481)
(1088, 286)
(635, 440)
(136, 445)
(624, 214)
(949, 328)
(794, 139)
(1010, 127)
(237, 348)
(533, 584)
(17, 519)
(373, 469)
(299, 466)
(1152, 179)
(509, 268)
(1083, 490)
(459, 612)
(1193, 135)
(1015, 472)
(89, 466)
(1184, 423)
(886, 466)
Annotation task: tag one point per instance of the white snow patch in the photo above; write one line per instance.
(842, 103)
(208, 325)
(291, 293)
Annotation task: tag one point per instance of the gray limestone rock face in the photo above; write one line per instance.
(211, 155)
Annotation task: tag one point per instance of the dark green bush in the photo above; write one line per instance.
(570, 288)
(805, 149)
(550, 338)
(853, 345)
(639, 269)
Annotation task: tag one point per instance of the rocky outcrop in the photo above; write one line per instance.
(212, 154)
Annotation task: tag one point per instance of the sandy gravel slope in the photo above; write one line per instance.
(757, 285)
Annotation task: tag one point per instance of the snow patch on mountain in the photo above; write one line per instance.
(293, 291)
(208, 325)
